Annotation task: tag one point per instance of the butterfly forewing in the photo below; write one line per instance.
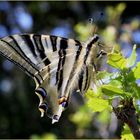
(58, 65)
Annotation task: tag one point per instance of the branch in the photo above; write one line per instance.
(127, 114)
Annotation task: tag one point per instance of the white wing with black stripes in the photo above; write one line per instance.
(58, 65)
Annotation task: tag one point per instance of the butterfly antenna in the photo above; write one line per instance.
(96, 21)
(90, 26)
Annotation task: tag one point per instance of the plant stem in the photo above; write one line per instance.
(127, 114)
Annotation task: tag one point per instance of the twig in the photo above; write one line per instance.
(127, 114)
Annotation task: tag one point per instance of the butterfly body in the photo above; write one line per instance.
(58, 65)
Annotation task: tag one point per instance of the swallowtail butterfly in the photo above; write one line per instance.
(59, 66)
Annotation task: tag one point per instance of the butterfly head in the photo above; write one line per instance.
(96, 50)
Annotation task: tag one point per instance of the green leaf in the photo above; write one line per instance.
(82, 118)
(111, 90)
(92, 94)
(116, 83)
(126, 134)
(89, 94)
(136, 71)
(98, 104)
(104, 117)
(103, 75)
(132, 59)
(49, 136)
(117, 61)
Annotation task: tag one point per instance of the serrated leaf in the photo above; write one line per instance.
(136, 71)
(98, 104)
(132, 59)
(126, 133)
(111, 90)
(117, 61)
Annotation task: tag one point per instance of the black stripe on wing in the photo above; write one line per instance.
(14, 46)
(17, 46)
(77, 43)
(73, 71)
(62, 56)
(40, 48)
(27, 39)
(80, 82)
(89, 45)
(54, 42)
(10, 41)
(87, 81)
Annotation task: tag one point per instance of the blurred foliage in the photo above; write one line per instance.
(45, 136)
(126, 134)
(118, 27)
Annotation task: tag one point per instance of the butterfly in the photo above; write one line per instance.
(59, 66)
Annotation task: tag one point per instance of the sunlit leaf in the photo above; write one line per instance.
(98, 104)
(116, 60)
(92, 94)
(89, 94)
(126, 133)
(111, 90)
(132, 59)
(136, 71)
(104, 75)
(116, 83)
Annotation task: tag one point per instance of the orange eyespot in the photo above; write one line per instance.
(62, 99)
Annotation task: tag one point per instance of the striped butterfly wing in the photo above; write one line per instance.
(58, 65)
(53, 62)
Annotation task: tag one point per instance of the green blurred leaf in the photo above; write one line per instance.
(82, 30)
(34, 137)
(92, 94)
(126, 133)
(120, 7)
(136, 71)
(89, 94)
(132, 59)
(117, 61)
(111, 90)
(104, 116)
(49, 136)
(82, 117)
(46, 136)
(98, 104)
